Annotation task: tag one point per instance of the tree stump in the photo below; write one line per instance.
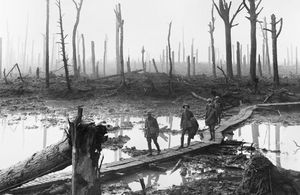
(262, 177)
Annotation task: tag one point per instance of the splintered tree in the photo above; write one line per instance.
(143, 59)
(224, 12)
(275, 35)
(63, 44)
(120, 22)
(238, 59)
(253, 11)
(170, 61)
(211, 26)
(104, 56)
(47, 44)
(78, 7)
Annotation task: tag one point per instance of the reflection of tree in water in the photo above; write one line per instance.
(150, 177)
(171, 126)
(255, 133)
(277, 144)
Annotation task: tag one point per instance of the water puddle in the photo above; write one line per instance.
(276, 141)
(21, 135)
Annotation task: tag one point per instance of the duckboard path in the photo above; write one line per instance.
(134, 164)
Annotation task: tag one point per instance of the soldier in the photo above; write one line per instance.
(186, 124)
(151, 132)
(217, 105)
(211, 119)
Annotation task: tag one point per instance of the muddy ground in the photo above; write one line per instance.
(102, 99)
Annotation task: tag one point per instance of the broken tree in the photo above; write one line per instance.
(224, 11)
(120, 23)
(47, 44)
(78, 7)
(170, 61)
(86, 140)
(253, 14)
(275, 36)
(211, 26)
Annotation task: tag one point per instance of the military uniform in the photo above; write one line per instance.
(151, 132)
(189, 125)
(211, 120)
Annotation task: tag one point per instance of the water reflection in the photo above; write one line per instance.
(23, 135)
(277, 139)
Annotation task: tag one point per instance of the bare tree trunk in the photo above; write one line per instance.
(143, 59)
(192, 58)
(259, 67)
(275, 35)
(179, 47)
(118, 46)
(268, 61)
(163, 60)
(78, 7)
(63, 48)
(128, 65)
(224, 12)
(104, 56)
(197, 56)
(1, 57)
(194, 66)
(25, 45)
(167, 59)
(170, 61)
(97, 69)
(212, 41)
(93, 58)
(173, 62)
(189, 67)
(47, 45)
(154, 64)
(83, 54)
(238, 60)
(296, 60)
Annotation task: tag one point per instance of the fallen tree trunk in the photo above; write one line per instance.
(51, 159)
(117, 75)
(198, 96)
(262, 177)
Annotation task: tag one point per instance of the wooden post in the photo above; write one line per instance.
(154, 64)
(188, 66)
(93, 58)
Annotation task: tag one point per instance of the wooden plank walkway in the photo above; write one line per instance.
(140, 162)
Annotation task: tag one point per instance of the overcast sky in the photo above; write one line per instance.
(146, 23)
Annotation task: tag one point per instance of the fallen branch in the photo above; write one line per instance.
(198, 97)
(178, 164)
(117, 75)
(221, 69)
(296, 144)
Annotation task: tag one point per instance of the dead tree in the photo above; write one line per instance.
(259, 67)
(93, 58)
(188, 67)
(120, 22)
(154, 64)
(238, 60)
(128, 64)
(253, 12)
(179, 47)
(275, 35)
(0, 57)
(296, 60)
(266, 45)
(224, 12)
(25, 45)
(47, 44)
(83, 54)
(105, 56)
(173, 61)
(170, 61)
(211, 26)
(143, 59)
(78, 7)
(63, 44)
(192, 58)
(118, 68)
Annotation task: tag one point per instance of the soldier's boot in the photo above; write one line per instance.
(189, 141)
(157, 146)
(149, 147)
(182, 141)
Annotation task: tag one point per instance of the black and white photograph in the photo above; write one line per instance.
(149, 97)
